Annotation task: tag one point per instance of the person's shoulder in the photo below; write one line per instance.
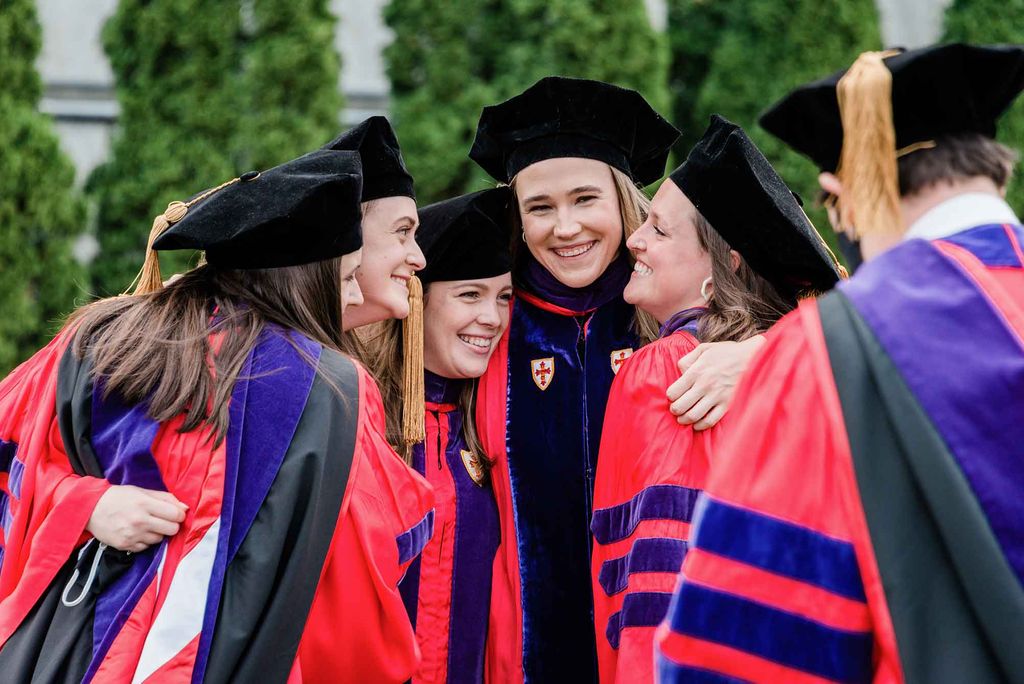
(659, 356)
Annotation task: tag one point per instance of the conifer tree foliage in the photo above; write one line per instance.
(40, 213)
(448, 60)
(207, 90)
(175, 64)
(290, 95)
(989, 22)
(694, 27)
(767, 48)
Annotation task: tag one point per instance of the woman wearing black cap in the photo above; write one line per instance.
(204, 498)
(573, 152)
(725, 251)
(391, 255)
(467, 290)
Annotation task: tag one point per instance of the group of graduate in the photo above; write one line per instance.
(499, 438)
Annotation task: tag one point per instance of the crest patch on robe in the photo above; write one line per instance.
(543, 372)
(618, 357)
(473, 467)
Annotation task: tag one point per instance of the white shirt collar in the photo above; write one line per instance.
(960, 213)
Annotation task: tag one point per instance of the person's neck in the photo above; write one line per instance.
(913, 207)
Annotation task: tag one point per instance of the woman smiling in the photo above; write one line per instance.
(725, 251)
(573, 151)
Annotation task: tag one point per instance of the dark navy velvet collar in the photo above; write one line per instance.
(538, 281)
(687, 319)
(441, 390)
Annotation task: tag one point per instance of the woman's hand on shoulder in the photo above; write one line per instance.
(132, 519)
(710, 373)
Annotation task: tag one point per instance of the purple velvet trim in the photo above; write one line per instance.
(411, 542)
(650, 554)
(642, 609)
(7, 452)
(15, 478)
(990, 244)
(5, 515)
(539, 281)
(476, 541)
(963, 364)
(441, 390)
(116, 603)
(122, 437)
(409, 585)
(687, 319)
(267, 402)
(658, 502)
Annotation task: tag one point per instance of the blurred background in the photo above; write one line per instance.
(111, 109)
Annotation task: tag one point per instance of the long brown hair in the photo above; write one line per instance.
(743, 304)
(380, 346)
(156, 348)
(634, 206)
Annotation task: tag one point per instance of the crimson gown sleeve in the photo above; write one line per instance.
(649, 475)
(44, 505)
(358, 629)
(780, 582)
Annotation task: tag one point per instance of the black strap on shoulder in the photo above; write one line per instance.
(956, 606)
(270, 584)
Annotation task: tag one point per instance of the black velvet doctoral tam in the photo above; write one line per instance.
(467, 237)
(748, 204)
(384, 172)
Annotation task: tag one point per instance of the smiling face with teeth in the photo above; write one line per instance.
(390, 257)
(462, 323)
(670, 264)
(571, 217)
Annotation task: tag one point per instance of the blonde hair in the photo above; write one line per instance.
(634, 205)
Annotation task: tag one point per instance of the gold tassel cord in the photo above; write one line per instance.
(149, 280)
(867, 167)
(413, 430)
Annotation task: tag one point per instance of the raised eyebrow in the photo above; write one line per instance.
(403, 219)
(585, 188)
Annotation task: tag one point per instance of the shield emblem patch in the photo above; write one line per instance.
(543, 371)
(619, 357)
(473, 467)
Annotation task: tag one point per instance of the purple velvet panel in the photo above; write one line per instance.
(115, 604)
(15, 478)
(476, 541)
(642, 609)
(658, 502)
(7, 452)
(687, 319)
(963, 364)
(411, 542)
(266, 405)
(991, 245)
(609, 286)
(650, 554)
(122, 437)
(409, 586)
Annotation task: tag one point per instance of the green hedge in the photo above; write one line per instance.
(450, 59)
(988, 22)
(40, 213)
(207, 90)
(761, 50)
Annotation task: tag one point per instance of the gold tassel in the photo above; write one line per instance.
(413, 430)
(867, 166)
(149, 279)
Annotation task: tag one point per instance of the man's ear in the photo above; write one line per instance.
(830, 183)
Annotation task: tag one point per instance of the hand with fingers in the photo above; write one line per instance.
(710, 373)
(130, 518)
